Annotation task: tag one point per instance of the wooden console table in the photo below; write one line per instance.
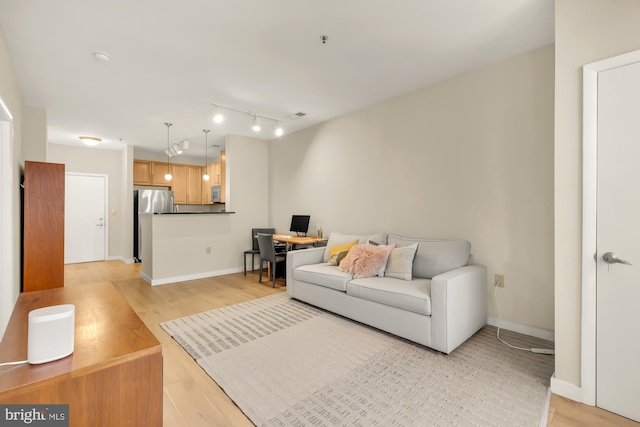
(114, 375)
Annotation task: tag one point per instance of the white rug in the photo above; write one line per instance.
(285, 363)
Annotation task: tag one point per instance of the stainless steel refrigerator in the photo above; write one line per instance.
(148, 202)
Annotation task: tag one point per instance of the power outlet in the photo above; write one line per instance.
(207, 250)
(500, 280)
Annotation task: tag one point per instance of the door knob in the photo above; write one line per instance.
(612, 258)
(99, 225)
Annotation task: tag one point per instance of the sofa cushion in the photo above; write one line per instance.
(322, 275)
(412, 295)
(435, 257)
(337, 238)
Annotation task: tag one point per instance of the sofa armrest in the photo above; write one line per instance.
(301, 257)
(458, 306)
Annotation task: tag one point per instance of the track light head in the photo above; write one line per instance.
(256, 124)
(217, 116)
(278, 130)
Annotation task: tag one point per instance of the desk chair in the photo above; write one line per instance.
(255, 250)
(268, 253)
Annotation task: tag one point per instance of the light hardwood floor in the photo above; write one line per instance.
(191, 398)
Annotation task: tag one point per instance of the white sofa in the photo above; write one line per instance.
(443, 304)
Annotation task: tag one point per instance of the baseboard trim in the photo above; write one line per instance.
(121, 258)
(565, 389)
(168, 280)
(544, 334)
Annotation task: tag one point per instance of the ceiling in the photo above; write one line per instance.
(171, 60)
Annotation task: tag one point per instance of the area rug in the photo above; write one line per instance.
(286, 363)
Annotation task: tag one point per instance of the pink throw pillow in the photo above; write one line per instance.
(365, 260)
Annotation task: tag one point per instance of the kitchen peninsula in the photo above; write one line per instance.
(178, 245)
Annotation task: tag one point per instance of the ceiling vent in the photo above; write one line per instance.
(296, 116)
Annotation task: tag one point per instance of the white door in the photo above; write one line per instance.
(85, 220)
(618, 232)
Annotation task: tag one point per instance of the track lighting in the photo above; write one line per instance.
(217, 115)
(256, 124)
(278, 130)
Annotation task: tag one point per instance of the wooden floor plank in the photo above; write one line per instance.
(191, 398)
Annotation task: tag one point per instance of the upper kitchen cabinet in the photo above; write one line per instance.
(194, 185)
(142, 172)
(43, 233)
(179, 184)
(223, 172)
(158, 171)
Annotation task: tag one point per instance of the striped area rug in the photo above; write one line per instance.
(286, 363)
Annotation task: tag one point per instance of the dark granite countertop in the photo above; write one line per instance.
(192, 213)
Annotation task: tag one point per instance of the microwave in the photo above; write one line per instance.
(215, 194)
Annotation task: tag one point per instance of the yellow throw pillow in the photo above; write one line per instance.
(344, 247)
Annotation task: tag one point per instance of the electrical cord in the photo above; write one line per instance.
(13, 363)
(532, 350)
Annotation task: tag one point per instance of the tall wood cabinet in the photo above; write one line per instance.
(43, 233)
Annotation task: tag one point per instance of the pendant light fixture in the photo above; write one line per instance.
(206, 157)
(168, 174)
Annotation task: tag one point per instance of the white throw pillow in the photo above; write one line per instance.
(400, 262)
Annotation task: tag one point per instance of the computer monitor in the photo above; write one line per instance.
(300, 224)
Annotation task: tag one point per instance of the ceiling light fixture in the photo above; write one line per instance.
(256, 123)
(206, 157)
(217, 115)
(277, 129)
(90, 140)
(168, 176)
(101, 56)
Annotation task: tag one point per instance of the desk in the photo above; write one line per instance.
(114, 375)
(297, 240)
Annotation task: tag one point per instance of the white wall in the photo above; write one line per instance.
(586, 31)
(12, 97)
(470, 157)
(108, 162)
(180, 240)
(34, 134)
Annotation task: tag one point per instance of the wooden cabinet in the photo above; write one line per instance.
(112, 378)
(43, 234)
(194, 185)
(213, 169)
(223, 172)
(179, 184)
(159, 170)
(142, 172)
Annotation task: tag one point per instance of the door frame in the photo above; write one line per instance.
(9, 290)
(106, 206)
(589, 216)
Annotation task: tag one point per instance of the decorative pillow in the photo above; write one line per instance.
(365, 260)
(337, 238)
(336, 259)
(343, 247)
(387, 249)
(400, 263)
(435, 257)
(371, 242)
(348, 264)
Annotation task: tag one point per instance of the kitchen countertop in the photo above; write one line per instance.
(192, 213)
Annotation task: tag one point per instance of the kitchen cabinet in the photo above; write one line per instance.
(43, 233)
(158, 171)
(206, 185)
(187, 184)
(194, 185)
(223, 178)
(142, 172)
(179, 184)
